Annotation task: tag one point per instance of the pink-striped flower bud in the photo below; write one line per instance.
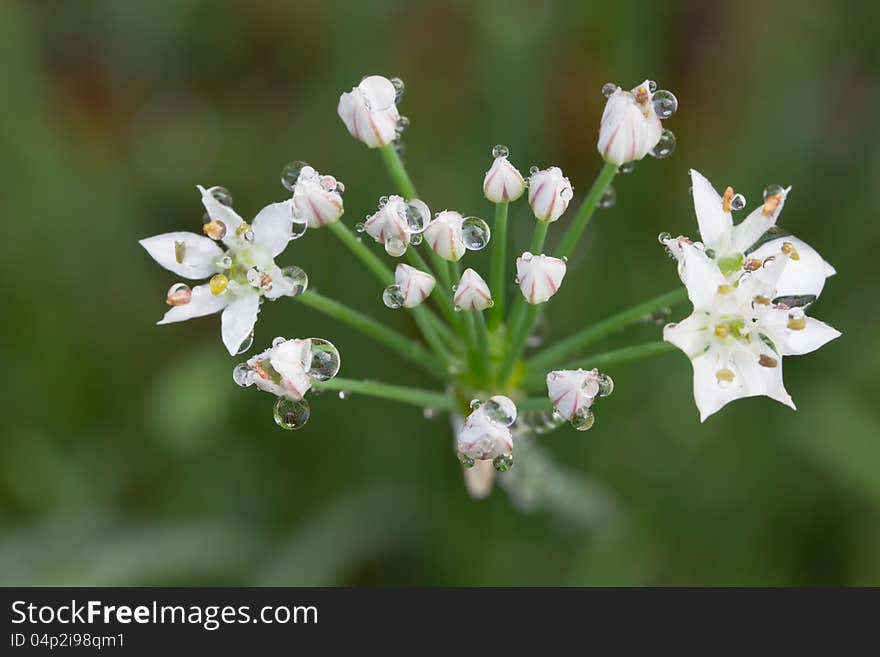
(472, 293)
(539, 276)
(549, 194)
(369, 111)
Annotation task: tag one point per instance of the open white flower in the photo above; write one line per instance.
(369, 111)
(414, 285)
(486, 433)
(503, 182)
(741, 247)
(630, 127)
(282, 370)
(241, 276)
(444, 235)
(737, 335)
(549, 194)
(472, 293)
(317, 199)
(539, 276)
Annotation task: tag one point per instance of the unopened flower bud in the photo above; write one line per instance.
(503, 181)
(444, 235)
(539, 276)
(369, 111)
(472, 293)
(549, 194)
(630, 127)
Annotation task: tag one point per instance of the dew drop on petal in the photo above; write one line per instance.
(402, 124)
(297, 228)
(394, 246)
(652, 86)
(399, 147)
(609, 197)
(179, 294)
(392, 297)
(475, 233)
(325, 360)
(662, 237)
(360, 227)
(465, 460)
(626, 167)
(290, 174)
(475, 404)
(216, 230)
(503, 462)
(297, 278)
(243, 375)
(500, 410)
(246, 344)
(291, 414)
(583, 419)
(773, 190)
(665, 146)
(608, 89)
(278, 341)
(399, 88)
(416, 238)
(533, 170)
(606, 385)
(222, 195)
(500, 150)
(738, 202)
(665, 103)
(383, 200)
(417, 215)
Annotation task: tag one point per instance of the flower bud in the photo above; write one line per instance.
(283, 369)
(539, 276)
(369, 111)
(472, 293)
(389, 221)
(572, 391)
(630, 127)
(313, 202)
(444, 235)
(503, 181)
(486, 432)
(415, 285)
(549, 194)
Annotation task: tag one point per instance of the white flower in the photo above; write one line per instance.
(369, 111)
(444, 235)
(472, 293)
(503, 181)
(317, 199)
(738, 248)
(486, 433)
(736, 335)
(240, 276)
(630, 127)
(539, 276)
(283, 369)
(549, 194)
(415, 285)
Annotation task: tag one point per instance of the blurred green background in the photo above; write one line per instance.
(128, 456)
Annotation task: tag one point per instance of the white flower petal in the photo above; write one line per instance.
(539, 276)
(292, 360)
(186, 254)
(715, 224)
(379, 91)
(314, 204)
(239, 317)
(202, 303)
(388, 221)
(272, 226)
(472, 293)
(444, 235)
(803, 276)
(503, 182)
(219, 212)
(796, 342)
(629, 130)
(415, 285)
(691, 334)
(549, 194)
(701, 277)
(482, 438)
(750, 230)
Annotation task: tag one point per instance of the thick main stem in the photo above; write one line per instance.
(586, 210)
(497, 281)
(554, 353)
(404, 394)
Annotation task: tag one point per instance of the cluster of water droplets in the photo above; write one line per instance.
(499, 410)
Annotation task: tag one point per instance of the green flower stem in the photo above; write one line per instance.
(539, 237)
(473, 350)
(607, 359)
(554, 353)
(534, 404)
(403, 346)
(497, 280)
(482, 342)
(403, 394)
(519, 334)
(586, 210)
(397, 171)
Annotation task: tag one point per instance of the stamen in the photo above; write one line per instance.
(218, 283)
(725, 375)
(727, 198)
(179, 251)
(752, 264)
(797, 323)
(724, 289)
(767, 361)
(771, 203)
(788, 248)
(721, 331)
(243, 227)
(762, 300)
(216, 230)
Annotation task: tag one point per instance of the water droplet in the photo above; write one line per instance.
(399, 147)
(297, 278)
(583, 419)
(418, 215)
(394, 246)
(503, 462)
(291, 414)
(500, 150)
(325, 360)
(343, 394)
(243, 375)
(340, 187)
(392, 297)
(383, 200)
(710, 253)
(475, 404)
(608, 89)
(516, 280)
(290, 174)
(500, 409)
(402, 124)
(429, 413)
(738, 202)
(527, 256)
(533, 170)
(415, 239)
(360, 227)
(665, 103)
(278, 341)
(475, 233)
(609, 197)
(222, 195)
(179, 294)
(773, 190)
(216, 230)
(399, 88)
(626, 167)
(652, 86)
(224, 262)
(662, 237)
(465, 460)
(665, 146)
(246, 344)
(606, 385)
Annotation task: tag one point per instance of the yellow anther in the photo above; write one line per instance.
(216, 230)
(243, 227)
(724, 374)
(797, 323)
(762, 300)
(218, 283)
(767, 361)
(179, 251)
(788, 248)
(721, 331)
(752, 264)
(724, 289)
(266, 282)
(727, 198)
(771, 202)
